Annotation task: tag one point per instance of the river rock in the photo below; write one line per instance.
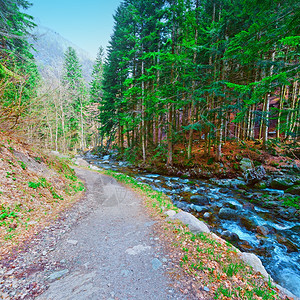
(260, 185)
(200, 200)
(247, 223)
(262, 230)
(292, 211)
(229, 236)
(252, 260)
(195, 225)
(245, 246)
(248, 206)
(295, 190)
(197, 207)
(254, 175)
(271, 204)
(289, 214)
(290, 246)
(227, 213)
(207, 215)
(230, 205)
(282, 183)
(246, 164)
(263, 252)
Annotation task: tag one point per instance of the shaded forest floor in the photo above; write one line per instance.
(276, 157)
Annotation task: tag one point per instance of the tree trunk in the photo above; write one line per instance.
(143, 116)
(267, 109)
(170, 136)
(192, 113)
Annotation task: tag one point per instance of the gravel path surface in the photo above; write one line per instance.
(103, 248)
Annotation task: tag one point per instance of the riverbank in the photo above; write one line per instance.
(253, 172)
(237, 157)
(206, 265)
(231, 214)
(244, 166)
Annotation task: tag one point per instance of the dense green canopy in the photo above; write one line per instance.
(218, 68)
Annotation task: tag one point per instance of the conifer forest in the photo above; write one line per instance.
(217, 70)
(202, 96)
(176, 72)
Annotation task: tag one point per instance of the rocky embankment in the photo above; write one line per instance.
(249, 177)
(285, 177)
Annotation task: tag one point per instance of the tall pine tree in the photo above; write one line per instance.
(76, 99)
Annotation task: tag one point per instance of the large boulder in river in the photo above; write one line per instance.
(195, 225)
(200, 200)
(290, 246)
(246, 164)
(254, 175)
(227, 213)
(229, 236)
(282, 183)
(295, 190)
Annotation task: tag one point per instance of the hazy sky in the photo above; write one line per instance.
(87, 23)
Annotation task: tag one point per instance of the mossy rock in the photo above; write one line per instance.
(282, 183)
(294, 190)
(246, 164)
(260, 185)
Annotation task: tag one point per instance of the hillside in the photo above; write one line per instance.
(49, 53)
(34, 188)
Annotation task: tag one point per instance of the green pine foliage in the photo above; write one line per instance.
(76, 100)
(222, 69)
(96, 89)
(18, 72)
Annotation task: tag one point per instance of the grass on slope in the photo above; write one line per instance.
(34, 189)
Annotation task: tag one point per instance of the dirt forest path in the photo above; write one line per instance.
(107, 249)
(112, 252)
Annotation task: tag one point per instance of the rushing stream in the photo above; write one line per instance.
(240, 220)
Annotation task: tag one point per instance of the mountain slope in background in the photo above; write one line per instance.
(50, 47)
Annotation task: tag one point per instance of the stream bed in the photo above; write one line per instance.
(230, 214)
